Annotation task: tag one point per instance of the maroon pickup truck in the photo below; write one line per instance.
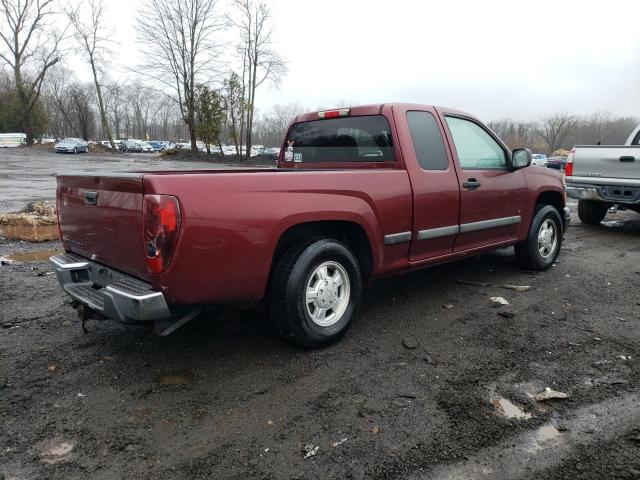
(358, 194)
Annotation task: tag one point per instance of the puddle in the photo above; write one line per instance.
(508, 409)
(618, 224)
(57, 451)
(42, 256)
(29, 233)
(182, 377)
(542, 436)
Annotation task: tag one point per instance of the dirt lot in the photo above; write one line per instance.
(224, 398)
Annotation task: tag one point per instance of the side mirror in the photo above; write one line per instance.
(521, 158)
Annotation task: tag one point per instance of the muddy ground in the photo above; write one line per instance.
(224, 398)
(432, 381)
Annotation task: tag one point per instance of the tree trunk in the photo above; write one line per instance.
(103, 113)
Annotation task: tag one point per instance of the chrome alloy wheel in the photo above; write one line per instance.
(327, 294)
(547, 238)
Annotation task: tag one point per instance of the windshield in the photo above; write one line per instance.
(350, 139)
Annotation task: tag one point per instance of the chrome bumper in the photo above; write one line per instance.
(113, 294)
(604, 193)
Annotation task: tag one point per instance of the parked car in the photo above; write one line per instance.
(256, 150)
(539, 159)
(308, 235)
(556, 162)
(270, 153)
(146, 147)
(72, 145)
(214, 149)
(156, 146)
(134, 146)
(604, 176)
(229, 150)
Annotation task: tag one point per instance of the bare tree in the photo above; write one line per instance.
(139, 100)
(271, 127)
(555, 128)
(259, 61)
(182, 34)
(116, 106)
(94, 41)
(234, 101)
(30, 47)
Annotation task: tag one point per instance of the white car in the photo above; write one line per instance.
(146, 147)
(229, 150)
(539, 159)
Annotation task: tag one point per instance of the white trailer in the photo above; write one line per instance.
(12, 139)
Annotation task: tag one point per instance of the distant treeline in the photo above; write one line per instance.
(563, 131)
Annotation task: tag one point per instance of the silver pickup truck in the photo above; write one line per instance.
(604, 176)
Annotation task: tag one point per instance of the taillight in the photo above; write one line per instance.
(161, 227)
(568, 168)
(343, 112)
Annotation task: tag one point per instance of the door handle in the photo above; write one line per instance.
(627, 158)
(471, 184)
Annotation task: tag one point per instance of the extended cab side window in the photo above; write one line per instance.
(477, 150)
(427, 141)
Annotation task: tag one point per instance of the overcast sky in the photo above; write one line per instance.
(519, 59)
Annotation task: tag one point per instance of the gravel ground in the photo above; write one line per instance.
(432, 381)
(407, 393)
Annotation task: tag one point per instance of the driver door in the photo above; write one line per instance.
(492, 195)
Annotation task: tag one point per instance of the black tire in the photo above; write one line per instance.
(530, 252)
(592, 212)
(288, 287)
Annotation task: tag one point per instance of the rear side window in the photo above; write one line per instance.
(349, 139)
(427, 141)
(477, 150)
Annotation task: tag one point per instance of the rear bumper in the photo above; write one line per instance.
(621, 195)
(111, 293)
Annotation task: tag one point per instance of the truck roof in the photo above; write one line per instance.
(375, 109)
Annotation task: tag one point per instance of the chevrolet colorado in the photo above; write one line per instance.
(604, 176)
(358, 194)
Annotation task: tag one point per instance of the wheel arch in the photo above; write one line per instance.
(351, 233)
(553, 198)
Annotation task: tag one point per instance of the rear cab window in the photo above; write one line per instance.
(340, 140)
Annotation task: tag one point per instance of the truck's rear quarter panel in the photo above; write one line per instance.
(232, 222)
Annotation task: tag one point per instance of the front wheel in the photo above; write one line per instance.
(75, 150)
(542, 246)
(315, 292)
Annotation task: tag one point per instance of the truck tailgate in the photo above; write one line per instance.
(607, 162)
(101, 219)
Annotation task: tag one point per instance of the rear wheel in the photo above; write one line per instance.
(75, 150)
(592, 212)
(542, 246)
(315, 292)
